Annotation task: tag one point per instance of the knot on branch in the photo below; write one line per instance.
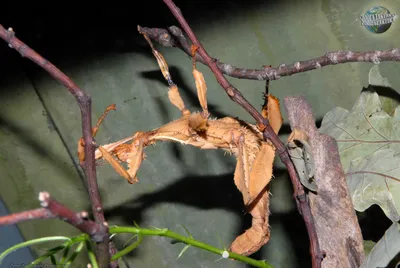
(9, 36)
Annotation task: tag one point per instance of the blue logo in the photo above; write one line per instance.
(378, 19)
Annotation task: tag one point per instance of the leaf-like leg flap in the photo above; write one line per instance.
(201, 91)
(115, 164)
(176, 99)
(134, 161)
(258, 234)
(162, 63)
(261, 171)
(241, 176)
(258, 199)
(272, 111)
(200, 84)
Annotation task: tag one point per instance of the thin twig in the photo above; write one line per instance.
(173, 37)
(84, 102)
(236, 96)
(372, 173)
(37, 214)
(51, 209)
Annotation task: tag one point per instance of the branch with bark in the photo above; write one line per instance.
(332, 206)
(174, 37)
(268, 133)
(84, 103)
(51, 209)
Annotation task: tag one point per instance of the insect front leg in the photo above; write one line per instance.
(81, 142)
(116, 165)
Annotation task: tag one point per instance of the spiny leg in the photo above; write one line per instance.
(242, 172)
(81, 142)
(252, 179)
(135, 160)
(105, 154)
(102, 117)
(115, 164)
(173, 93)
(273, 114)
(260, 174)
(132, 154)
(200, 85)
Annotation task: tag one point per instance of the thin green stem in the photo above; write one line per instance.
(189, 241)
(73, 255)
(128, 249)
(92, 256)
(32, 242)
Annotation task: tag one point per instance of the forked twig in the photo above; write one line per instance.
(173, 37)
(84, 103)
(268, 133)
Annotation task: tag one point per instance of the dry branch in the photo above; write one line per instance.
(84, 102)
(339, 233)
(51, 209)
(173, 37)
(268, 133)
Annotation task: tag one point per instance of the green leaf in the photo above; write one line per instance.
(183, 251)
(32, 242)
(385, 250)
(369, 146)
(53, 259)
(188, 233)
(49, 253)
(381, 84)
(91, 254)
(129, 240)
(65, 254)
(368, 246)
(74, 255)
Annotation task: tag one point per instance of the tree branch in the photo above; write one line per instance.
(84, 102)
(345, 248)
(268, 133)
(173, 37)
(37, 214)
(51, 209)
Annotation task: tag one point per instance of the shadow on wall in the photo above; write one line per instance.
(211, 192)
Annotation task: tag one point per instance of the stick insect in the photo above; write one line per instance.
(243, 140)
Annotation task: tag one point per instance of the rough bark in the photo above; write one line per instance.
(336, 223)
